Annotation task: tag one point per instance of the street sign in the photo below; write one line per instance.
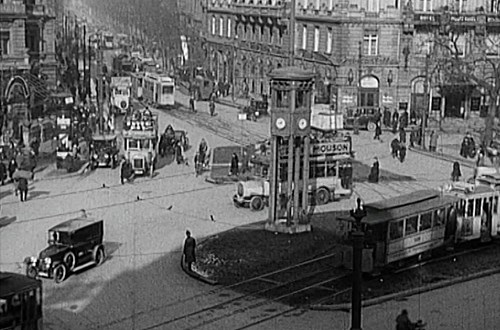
(330, 148)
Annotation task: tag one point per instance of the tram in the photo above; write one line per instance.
(158, 90)
(137, 85)
(20, 302)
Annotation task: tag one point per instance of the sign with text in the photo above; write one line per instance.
(331, 148)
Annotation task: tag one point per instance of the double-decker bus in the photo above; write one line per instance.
(20, 302)
(158, 90)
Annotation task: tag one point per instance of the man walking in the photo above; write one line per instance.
(23, 189)
(189, 250)
(191, 103)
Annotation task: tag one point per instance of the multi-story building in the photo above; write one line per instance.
(27, 53)
(365, 53)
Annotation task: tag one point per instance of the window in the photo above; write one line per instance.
(329, 41)
(133, 144)
(282, 99)
(318, 170)
(478, 207)
(439, 217)
(213, 25)
(411, 225)
(305, 4)
(304, 37)
(424, 5)
(229, 28)
(470, 207)
(316, 38)
(425, 221)
(373, 6)
(396, 230)
(457, 44)
(330, 5)
(370, 44)
(493, 45)
(317, 5)
(495, 205)
(221, 26)
(168, 90)
(4, 42)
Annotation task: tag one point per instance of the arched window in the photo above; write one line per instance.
(369, 92)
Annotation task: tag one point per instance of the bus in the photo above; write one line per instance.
(20, 302)
(159, 90)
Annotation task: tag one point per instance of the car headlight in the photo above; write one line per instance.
(47, 260)
(106, 156)
(94, 156)
(257, 113)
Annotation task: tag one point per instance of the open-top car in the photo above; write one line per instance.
(104, 151)
(73, 245)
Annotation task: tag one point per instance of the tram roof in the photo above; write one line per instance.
(74, 224)
(403, 206)
(12, 283)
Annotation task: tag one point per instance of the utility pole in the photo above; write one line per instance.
(358, 238)
(426, 100)
(292, 32)
(100, 93)
(84, 55)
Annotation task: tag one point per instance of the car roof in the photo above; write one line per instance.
(11, 283)
(104, 137)
(74, 224)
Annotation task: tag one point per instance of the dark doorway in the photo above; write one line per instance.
(453, 104)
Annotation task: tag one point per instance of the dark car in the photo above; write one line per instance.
(366, 118)
(104, 151)
(73, 245)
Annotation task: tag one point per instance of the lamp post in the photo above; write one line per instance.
(358, 237)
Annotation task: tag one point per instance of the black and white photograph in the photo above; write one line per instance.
(249, 164)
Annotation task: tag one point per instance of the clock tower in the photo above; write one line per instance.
(291, 89)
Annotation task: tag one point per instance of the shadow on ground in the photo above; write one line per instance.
(361, 172)
(5, 221)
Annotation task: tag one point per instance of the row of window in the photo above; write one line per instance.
(473, 207)
(251, 32)
(411, 225)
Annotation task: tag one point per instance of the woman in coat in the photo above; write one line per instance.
(374, 171)
(456, 173)
(234, 165)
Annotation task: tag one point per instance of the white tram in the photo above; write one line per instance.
(158, 90)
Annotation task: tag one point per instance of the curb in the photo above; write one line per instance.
(197, 276)
(411, 292)
(444, 157)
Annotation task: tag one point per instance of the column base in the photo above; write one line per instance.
(281, 227)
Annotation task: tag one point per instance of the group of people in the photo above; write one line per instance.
(22, 161)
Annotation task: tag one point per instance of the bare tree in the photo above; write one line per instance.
(467, 56)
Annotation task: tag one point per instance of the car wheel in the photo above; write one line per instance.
(31, 272)
(70, 260)
(60, 273)
(371, 126)
(256, 203)
(99, 256)
(322, 196)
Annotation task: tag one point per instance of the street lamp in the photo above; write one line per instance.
(358, 237)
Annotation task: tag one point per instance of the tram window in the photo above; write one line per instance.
(411, 225)
(331, 170)
(396, 230)
(168, 89)
(478, 207)
(439, 217)
(282, 99)
(318, 170)
(425, 221)
(300, 99)
(495, 205)
(470, 208)
(145, 144)
(3, 307)
(133, 144)
(461, 206)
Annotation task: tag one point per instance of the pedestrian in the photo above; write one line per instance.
(178, 153)
(35, 145)
(456, 173)
(191, 103)
(403, 120)
(480, 157)
(387, 118)
(403, 321)
(378, 131)
(212, 107)
(125, 171)
(189, 250)
(433, 141)
(23, 189)
(402, 152)
(12, 168)
(374, 171)
(3, 172)
(395, 119)
(244, 162)
(402, 135)
(413, 138)
(395, 148)
(234, 165)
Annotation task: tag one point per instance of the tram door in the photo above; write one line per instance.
(486, 219)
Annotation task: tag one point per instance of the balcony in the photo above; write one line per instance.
(15, 8)
(257, 9)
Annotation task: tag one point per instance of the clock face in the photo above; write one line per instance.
(302, 123)
(280, 123)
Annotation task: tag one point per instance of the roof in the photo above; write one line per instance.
(74, 224)
(388, 210)
(103, 137)
(291, 73)
(11, 283)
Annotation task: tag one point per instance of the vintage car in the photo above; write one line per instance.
(364, 117)
(73, 245)
(104, 151)
(256, 108)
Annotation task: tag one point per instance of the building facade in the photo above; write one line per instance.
(365, 53)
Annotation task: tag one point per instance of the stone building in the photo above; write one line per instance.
(366, 53)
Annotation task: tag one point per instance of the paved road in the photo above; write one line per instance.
(143, 237)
